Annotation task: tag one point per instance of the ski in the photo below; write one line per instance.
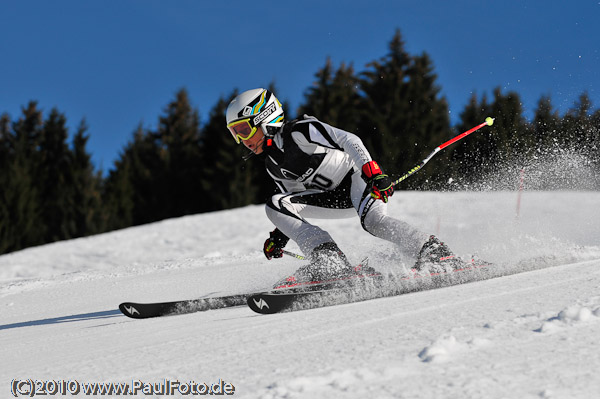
(270, 302)
(157, 309)
(275, 302)
(293, 295)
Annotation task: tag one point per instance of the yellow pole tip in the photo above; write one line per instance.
(489, 120)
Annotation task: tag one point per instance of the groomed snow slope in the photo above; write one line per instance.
(526, 335)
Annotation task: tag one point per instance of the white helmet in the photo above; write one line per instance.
(253, 109)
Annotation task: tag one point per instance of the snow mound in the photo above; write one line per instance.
(445, 347)
(570, 316)
(334, 383)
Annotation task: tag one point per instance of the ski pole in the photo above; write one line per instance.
(294, 255)
(489, 121)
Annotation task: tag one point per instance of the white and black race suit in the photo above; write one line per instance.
(317, 167)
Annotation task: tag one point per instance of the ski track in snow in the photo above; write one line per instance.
(527, 335)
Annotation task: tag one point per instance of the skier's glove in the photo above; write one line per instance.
(381, 185)
(274, 245)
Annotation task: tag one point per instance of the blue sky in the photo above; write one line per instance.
(118, 63)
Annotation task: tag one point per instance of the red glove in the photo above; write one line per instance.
(274, 245)
(382, 186)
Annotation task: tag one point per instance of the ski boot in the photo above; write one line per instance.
(437, 257)
(328, 265)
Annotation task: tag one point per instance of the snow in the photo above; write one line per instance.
(532, 333)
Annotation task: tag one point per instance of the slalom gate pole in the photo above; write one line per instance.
(521, 179)
(488, 122)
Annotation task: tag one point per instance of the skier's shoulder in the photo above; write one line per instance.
(308, 126)
(299, 124)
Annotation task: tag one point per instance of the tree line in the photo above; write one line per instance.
(50, 190)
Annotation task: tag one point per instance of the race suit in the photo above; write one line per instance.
(317, 168)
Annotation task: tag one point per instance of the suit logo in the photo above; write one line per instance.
(289, 174)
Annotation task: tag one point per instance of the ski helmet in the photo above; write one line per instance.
(253, 109)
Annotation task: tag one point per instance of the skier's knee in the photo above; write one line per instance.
(272, 208)
(278, 207)
(277, 202)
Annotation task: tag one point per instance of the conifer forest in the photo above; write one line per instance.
(50, 190)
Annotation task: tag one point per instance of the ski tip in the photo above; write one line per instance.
(489, 120)
(129, 310)
(269, 303)
(260, 304)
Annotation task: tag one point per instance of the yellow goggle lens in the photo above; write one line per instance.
(241, 130)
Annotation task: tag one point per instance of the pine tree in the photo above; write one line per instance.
(334, 98)
(54, 178)
(577, 126)
(179, 135)
(228, 180)
(385, 121)
(22, 224)
(504, 145)
(506, 139)
(594, 147)
(87, 213)
(158, 175)
(404, 115)
(118, 196)
(430, 123)
(144, 167)
(5, 180)
(546, 123)
(28, 131)
(466, 159)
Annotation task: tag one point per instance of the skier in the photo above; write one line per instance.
(321, 171)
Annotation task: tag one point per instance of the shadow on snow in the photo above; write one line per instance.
(106, 314)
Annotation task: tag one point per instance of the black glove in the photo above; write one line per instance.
(274, 245)
(381, 185)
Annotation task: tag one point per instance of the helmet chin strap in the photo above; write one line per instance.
(268, 133)
(249, 155)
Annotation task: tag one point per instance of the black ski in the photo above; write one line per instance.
(270, 302)
(147, 310)
(158, 309)
(275, 302)
(298, 296)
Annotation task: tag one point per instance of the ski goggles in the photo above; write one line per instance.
(241, 129)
